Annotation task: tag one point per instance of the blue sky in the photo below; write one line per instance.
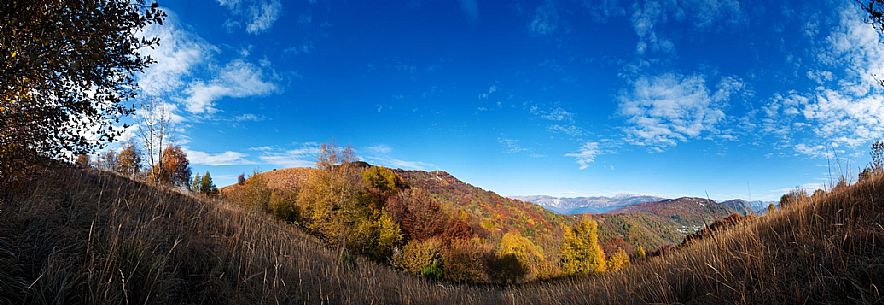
(597, 97)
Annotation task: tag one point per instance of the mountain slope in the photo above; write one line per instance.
(85, 238)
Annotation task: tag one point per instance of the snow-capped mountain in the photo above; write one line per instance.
(595, 204)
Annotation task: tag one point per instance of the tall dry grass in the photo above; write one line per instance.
(74, 237)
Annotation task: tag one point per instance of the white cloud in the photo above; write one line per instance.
(224, 158)
(236, 79)
(398, 163)
(263, 16)
(664, 110)
(571, 130)
(379, 149)
(650, 15)
(586, 154)
(601, 10)
(256, 15)
(546, 19)
(511, 146)
(303, 156)
(842, 112)
(178, 53)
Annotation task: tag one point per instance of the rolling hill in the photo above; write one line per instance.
(74, 237)
(651, 225)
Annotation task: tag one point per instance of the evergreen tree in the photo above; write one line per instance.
(207, 186)
(195, 185)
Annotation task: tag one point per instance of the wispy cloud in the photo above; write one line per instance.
(303, 156)
(650, 15)
(511, 146)
(563, 121)
(470, 8)
(399, 163)
(842, 112)
(545, 20)
(379, 149)
(585, 155)
(663, 110)
(178, 54)
(236, 79)
(256, 16)
(223, 158)
(601, 10)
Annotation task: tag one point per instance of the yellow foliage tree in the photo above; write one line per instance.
(381, 178)
(528, 255)
(618, 261)
(581, 252)
(640, 252)
(419, 255)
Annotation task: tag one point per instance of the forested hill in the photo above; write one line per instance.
(651, 225)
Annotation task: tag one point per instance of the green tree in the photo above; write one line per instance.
(67, 71)
(581, 252)
(207, 187)
(196, 184)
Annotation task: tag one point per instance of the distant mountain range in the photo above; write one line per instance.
(604, 204)
(581, 205)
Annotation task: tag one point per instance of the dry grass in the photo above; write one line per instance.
(70, 237)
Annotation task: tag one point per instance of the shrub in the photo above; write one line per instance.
(465, 260)
(283, 204)
(419, 254)
(795, 196)
(618, 261)
(381, 179)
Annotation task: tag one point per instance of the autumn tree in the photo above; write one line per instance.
(581, 251)
(640, 252)
(67, 71)
(523, 256)
(129, 161)
(618, 261)
(420, 215)
(175, 167)
(82, 161)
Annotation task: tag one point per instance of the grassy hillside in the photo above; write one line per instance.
(84, 238)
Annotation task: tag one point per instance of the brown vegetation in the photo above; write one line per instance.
(78, 237)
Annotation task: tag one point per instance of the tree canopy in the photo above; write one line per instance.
(68, 70)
